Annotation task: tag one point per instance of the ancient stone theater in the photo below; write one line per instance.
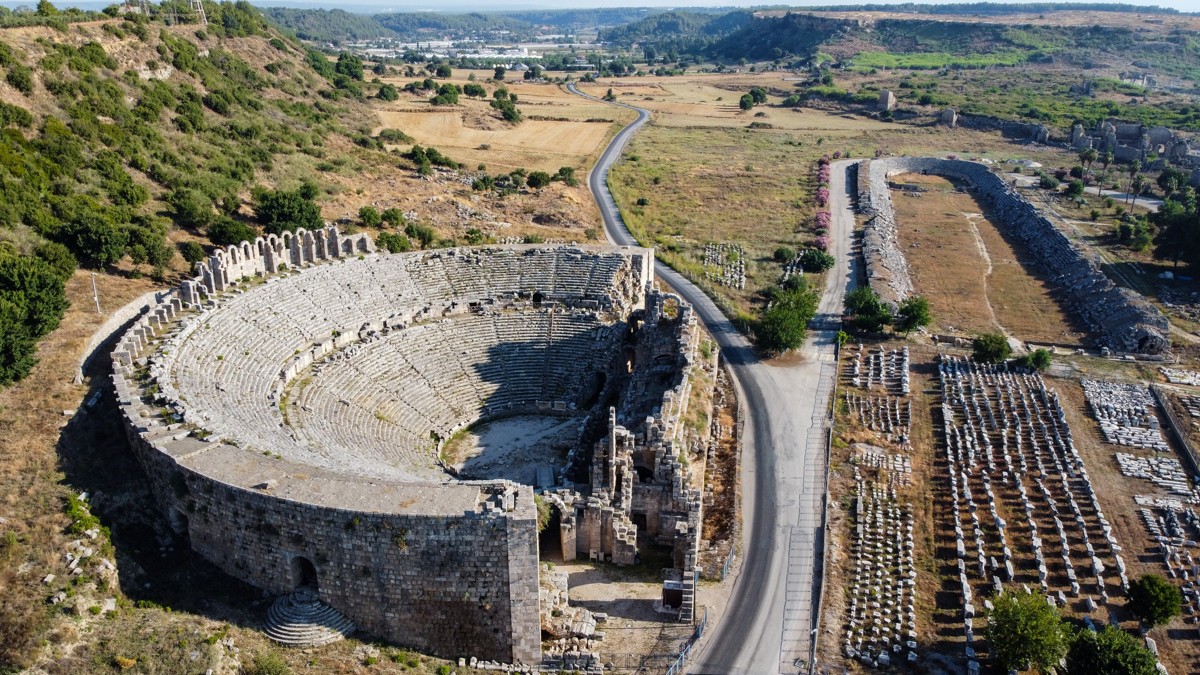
(291, 405)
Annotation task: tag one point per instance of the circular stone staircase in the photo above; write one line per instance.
(300, 619)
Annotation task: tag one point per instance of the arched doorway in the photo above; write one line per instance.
(304, 573)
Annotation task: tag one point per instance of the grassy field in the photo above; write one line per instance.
(973, 277)
(706, 176)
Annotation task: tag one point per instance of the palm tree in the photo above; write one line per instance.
(1105, 159)
(1133, 171)
(1138, 182)
(1087, 157)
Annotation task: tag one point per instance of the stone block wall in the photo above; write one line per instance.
(1123, 320)
(450, 584)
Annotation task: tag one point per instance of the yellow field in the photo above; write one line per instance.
(559, 129)
(712, 101)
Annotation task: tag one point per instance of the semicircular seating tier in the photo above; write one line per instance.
(360, 366)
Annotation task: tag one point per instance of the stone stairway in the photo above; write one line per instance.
(687, 610)
(300, 619)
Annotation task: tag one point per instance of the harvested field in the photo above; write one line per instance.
(542, 145)
(974, 279)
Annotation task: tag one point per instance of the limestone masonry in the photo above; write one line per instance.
(289, 405)
(1123, 320)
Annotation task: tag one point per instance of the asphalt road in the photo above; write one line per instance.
(768, 623)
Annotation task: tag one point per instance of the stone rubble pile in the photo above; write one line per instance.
(1191, 404)
(1124, 321)
(897, 467)
(1176, 376)
(1126, 413)
(882, 619)
(1164, 472)
(725, 264)
(1007, 442)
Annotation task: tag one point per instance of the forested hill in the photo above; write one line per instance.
(321, 25)
(683, 31)
(115, 132)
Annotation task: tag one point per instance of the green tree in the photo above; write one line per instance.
(1087, 158)
(286, 210)
(227, 231)
(1075, 188)
(784, 254)
(498, 74)
(95, 239)
(1038, 359)
(1111, 651)
(782, 325)
(1154, 600)
(17, 345)
(349, 65)
(393, 217)
(746, 102)
(388, 92)
(423, 234)
(1025, 632)
(45, 8)
(759, 95)
(36, 289)
(443, 70)
(538, 180)
(58, 257)
(192, 252)
(370, 216)
(192, 208)
(473, 90)
(447, 94)
(869, 312)
(814, 260)
(913, 313)
(393, 242)
(991, 348)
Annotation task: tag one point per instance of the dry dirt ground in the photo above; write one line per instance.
(974, 278)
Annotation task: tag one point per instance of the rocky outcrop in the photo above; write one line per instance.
(1123, 320)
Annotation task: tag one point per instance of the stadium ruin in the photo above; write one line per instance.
(291, 406)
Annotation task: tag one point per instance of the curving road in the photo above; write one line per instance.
(769, 621)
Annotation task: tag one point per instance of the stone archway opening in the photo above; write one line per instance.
(304, 573)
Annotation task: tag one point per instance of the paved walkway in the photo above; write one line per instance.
(768, 625)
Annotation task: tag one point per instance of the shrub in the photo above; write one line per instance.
(1154, 599)
(913, 313)
(782, 325)
(784, 254)
(394, 243)
(370, 216)
(813, 260)
(870, 313)
(192, 252)
(1038, 359)
(227, 231)
(1025, 632)
(991, 348)
(1111, 651)
(268, 663)
(538, 180)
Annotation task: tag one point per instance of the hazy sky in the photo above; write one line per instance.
(370, 6)
(471, 5)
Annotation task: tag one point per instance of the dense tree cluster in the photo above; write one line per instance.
(32, 302)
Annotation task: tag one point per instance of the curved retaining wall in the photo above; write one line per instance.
(449, 568)
(1124, 320)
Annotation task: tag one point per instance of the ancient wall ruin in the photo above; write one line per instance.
(1123, 320)
(408, 553)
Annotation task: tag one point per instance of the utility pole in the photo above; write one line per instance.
(96, 294)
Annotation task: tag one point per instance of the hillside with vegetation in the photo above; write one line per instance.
(327, 25)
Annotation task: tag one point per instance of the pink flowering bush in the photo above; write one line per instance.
(837, 155)
(822, 242)
(823, 220)
(823, 174)
(824, 161)
(822, 196)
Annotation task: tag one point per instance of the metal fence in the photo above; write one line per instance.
(677, 668)
(728, 562)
